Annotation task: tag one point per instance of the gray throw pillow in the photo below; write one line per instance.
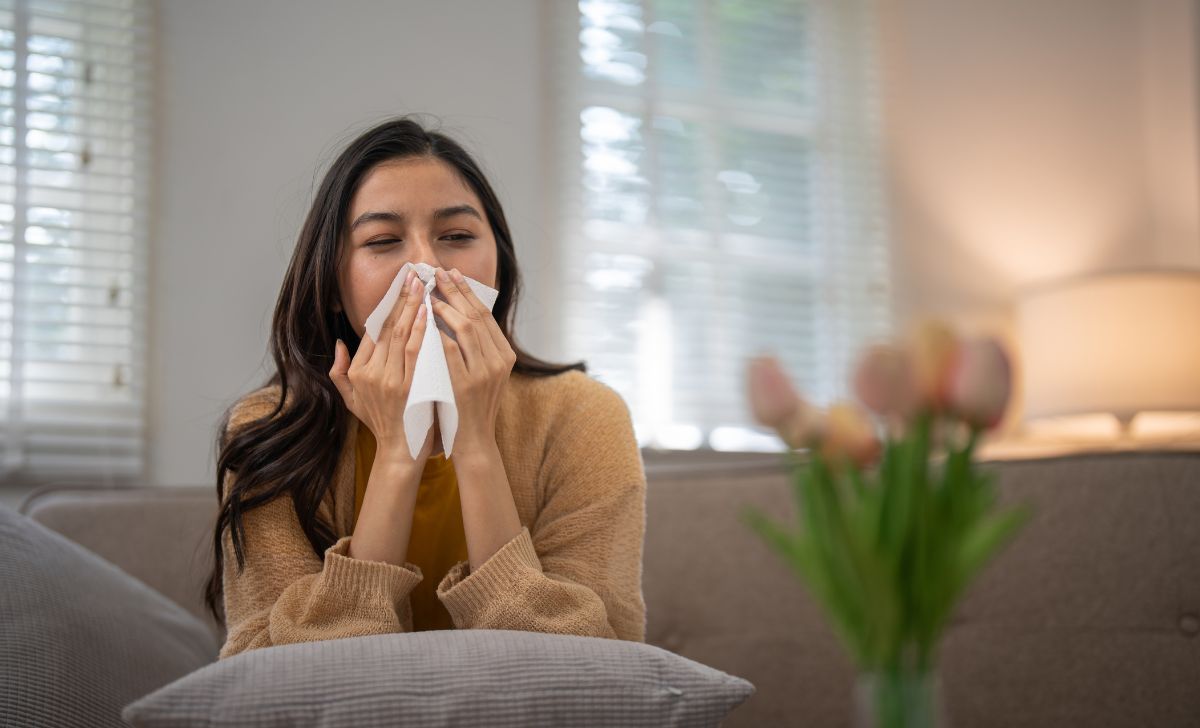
(473, 677)
(79, 637)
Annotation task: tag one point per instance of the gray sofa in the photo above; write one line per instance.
(1090, 618)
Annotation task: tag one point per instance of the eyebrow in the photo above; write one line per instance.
(439, 214)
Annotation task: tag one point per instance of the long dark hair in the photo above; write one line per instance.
(294, 451)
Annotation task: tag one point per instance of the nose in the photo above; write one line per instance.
(424, 253)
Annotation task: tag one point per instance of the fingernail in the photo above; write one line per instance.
(456, 275)
(416, 286)
(441, 274)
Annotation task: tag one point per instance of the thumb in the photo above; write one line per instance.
(341, 364)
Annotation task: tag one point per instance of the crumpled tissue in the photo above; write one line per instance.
(431, 384)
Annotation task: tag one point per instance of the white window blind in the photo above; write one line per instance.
(718, 168)
(74, 163)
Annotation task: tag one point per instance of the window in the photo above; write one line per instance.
(717, 168)
(74, 161)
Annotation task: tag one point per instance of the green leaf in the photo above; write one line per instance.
(826, 526)
(779, 539)
(814, 573)
(982, 541)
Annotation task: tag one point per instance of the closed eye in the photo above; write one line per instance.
(388, 241)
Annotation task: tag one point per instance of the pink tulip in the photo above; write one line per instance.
(848, 432)
(775, 403)
(933, 346)
(804, 429)
(773, 399)
(981, 382)
(885, 381)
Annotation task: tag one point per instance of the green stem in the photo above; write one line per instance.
(971, 442)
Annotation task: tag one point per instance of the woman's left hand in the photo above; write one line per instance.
(479, 363)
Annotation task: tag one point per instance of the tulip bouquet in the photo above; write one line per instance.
(895, 519)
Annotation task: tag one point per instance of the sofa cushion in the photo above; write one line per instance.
(80, 638)
(448, 677)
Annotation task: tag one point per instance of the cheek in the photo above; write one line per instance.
(482, 267)
(486, 276)
(368, 281)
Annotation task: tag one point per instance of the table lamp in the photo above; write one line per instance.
(1114, 345)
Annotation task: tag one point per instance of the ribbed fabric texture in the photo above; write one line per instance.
(437, 541)
(491, 678)
(577, 478)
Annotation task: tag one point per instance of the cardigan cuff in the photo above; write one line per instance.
(467, 596)
(345, 574)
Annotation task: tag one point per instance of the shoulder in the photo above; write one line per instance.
(590, 444)
(575, 412)
(569, 385)
(568, 395)
(252, 407)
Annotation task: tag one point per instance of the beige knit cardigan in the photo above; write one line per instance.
(578, 481)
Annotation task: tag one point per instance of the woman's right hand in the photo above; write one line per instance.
(376, 383)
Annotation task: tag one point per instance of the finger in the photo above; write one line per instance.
(465, 329)
(463, 317)
(413, 348)
(450, 289)
(339, 372)
(389, 323)
(362, 355)
(454, 358)
(488, 354)
(458, 284)
(398, 308)
(402, 332)
(491, 327)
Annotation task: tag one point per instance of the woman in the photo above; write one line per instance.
(328, 526)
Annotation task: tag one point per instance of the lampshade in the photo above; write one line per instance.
(1119, 343)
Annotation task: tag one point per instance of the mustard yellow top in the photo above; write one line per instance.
(437, 542)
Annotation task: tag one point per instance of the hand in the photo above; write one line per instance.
(376, 384)
(479, 363)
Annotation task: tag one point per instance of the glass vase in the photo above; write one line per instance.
(899, 699)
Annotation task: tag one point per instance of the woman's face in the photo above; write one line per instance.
(413, 210)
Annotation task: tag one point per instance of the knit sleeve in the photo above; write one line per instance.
(578, 570)
(287, 594)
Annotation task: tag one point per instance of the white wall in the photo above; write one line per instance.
(255, 100)
(1034, 139)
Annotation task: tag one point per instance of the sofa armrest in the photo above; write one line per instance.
(160, 535)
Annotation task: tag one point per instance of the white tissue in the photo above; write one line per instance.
(431, 377)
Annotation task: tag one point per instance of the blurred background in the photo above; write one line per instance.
(688, 184)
